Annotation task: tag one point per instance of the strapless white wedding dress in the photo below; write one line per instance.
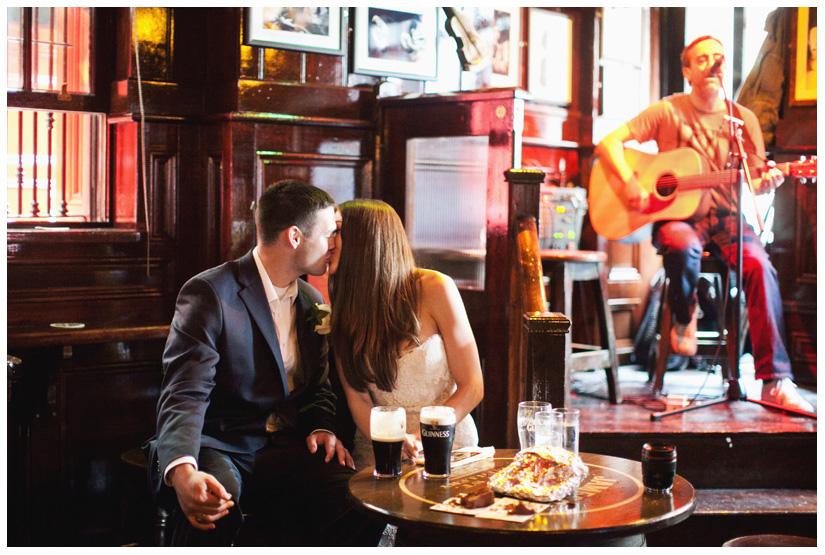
(424, 379)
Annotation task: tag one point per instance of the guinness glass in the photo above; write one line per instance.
(437, 435)
(388, 428)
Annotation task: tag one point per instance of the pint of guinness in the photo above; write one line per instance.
(437, 435)
(388, 428)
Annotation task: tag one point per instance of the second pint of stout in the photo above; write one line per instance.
(388, 428)
(437, 435)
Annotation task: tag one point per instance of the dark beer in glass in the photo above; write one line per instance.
(437, 435)
(388, 428)
(658, 466)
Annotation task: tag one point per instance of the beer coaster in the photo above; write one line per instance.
(503, 507)
(465, 455)
(499, 510)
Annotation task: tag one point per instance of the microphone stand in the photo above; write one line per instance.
(735, 390)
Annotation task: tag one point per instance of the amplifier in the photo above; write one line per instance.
(561, 214)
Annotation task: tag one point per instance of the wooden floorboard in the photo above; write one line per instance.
(589, 394)
(774, 501)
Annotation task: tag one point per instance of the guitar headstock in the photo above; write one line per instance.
(804, 168)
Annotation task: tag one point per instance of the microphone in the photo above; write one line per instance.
(714, 69)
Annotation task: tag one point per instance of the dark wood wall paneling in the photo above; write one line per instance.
(794, 254)
(96, 279)
(794, 251)
(216, 133)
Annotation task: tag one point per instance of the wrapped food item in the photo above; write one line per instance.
(540, 474)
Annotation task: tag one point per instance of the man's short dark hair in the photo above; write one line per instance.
(287, 203)
(694, 42)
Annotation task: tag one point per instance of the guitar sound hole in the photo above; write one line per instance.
(666, 186)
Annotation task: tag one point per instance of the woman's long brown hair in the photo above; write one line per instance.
(374, 294)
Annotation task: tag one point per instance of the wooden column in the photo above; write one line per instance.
(544, 369)
(537, 350)
(546, 372)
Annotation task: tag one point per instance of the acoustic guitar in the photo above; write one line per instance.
(473, 52)
(674, 179)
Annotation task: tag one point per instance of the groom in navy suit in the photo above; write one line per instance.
(246, 414)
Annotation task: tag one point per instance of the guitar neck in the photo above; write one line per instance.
(717, 177)
(706, 180)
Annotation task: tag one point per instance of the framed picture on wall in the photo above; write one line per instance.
(321, 30)
(550, 56)
(803, 76)
(396, 42)
(505, 38)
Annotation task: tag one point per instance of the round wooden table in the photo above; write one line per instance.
(610, 507)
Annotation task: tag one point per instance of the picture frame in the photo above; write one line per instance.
(317, 29)
(396, 42)
(550, 56)
(803, 76)
(500, 28)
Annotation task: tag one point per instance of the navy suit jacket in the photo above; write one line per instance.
(223, 370)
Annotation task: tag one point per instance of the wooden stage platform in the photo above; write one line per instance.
(754, 467)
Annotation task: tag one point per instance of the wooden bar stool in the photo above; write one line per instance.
(564, 267)
(771, 540)
(709, 343)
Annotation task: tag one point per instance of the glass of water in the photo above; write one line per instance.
(569, 420)
(548, 427)
(526, 422)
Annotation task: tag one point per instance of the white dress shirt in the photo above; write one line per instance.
(282, 306)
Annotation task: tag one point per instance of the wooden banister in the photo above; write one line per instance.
(532, 284)
(544, 369)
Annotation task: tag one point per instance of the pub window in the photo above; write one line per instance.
(624, 67)
(742, 32)
(55, 154)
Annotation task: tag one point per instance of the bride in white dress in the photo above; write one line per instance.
(423, 379)
(400, 335)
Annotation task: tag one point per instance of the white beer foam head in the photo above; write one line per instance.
(388, 424)
(438, 416)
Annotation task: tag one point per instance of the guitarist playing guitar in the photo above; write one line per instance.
(698, 122)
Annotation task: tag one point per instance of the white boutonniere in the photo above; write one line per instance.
(320, 317)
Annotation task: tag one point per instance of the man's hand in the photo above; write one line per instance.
(332, 445)
(770, 179)
(412, 447)
(201, 497)
(637, 198)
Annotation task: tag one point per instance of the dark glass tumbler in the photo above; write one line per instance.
(658, 466)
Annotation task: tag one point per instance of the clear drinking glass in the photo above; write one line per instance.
(388, 428)
(569, 420)
(548, 424)
(526, 422)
